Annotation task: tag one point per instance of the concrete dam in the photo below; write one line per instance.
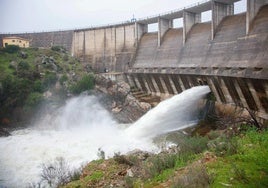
(228, 53)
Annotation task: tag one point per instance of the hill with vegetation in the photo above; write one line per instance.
(31, 76)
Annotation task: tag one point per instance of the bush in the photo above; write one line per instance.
(38, 86)
(58, 48)
(122, 159)
(196, 176)
(57, 173)
(63, 79)
(193, 145)
(33, 100)
(11, 49)
(49, 80)
(224, 146)
(65, 57)
(86, 83)
(23, 66)
(157, 164)
(101, 154)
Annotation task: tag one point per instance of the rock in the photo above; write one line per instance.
(4, 133)
(51, 59)
(118, 99)
(54, 66)
(47, 94)
(13, 64)
(130, 173)
(145, 106)
(116, 109)
(23, 55)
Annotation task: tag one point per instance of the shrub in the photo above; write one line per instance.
(65, 57)
(33, 100)
(55, 174)
(224, 146)
(23, 65)
(157, 164)
(193, 145)
(38, 86)
(86, 83)
(49, 80)
(121, 159)
(63, 79)
(58, 173)
(58, 48)
(101, 154)
(196, 176)
(11, 49)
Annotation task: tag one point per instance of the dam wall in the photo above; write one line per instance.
(106, 48)
(233, 63)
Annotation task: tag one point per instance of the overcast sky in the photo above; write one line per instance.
(49, 15)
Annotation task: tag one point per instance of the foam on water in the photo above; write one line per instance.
(82, 126)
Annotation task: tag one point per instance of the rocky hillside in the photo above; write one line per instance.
(28, 77)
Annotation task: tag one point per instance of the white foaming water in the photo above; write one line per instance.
(82, 126)
(176, 113)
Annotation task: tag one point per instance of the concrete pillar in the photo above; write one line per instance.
(163, 26)
(149, 91)
(219, 11)
(137, 82)
(130, 81)
(181, 83)
(172, 85)
(189, 19)
(225, 91)
(164, 86)
(140, 29)
(253, 7)
(241, 95)
(255, 97)
(158, 93)
(214, 90)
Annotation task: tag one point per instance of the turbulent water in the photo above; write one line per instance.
(78, 129)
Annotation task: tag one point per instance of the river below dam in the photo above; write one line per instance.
(81, 127)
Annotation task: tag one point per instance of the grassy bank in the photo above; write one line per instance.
(216, 160)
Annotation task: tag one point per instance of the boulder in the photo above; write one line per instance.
(119, 101)
(4, 133)
(23, 55)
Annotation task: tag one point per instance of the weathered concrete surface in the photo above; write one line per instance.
(219, 11)
(233, 64)
(231, 53)
(105, 49)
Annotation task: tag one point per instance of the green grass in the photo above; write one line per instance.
(248, 167)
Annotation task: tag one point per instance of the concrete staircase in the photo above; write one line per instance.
(145, 97)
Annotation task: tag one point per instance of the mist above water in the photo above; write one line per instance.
(82, 126)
